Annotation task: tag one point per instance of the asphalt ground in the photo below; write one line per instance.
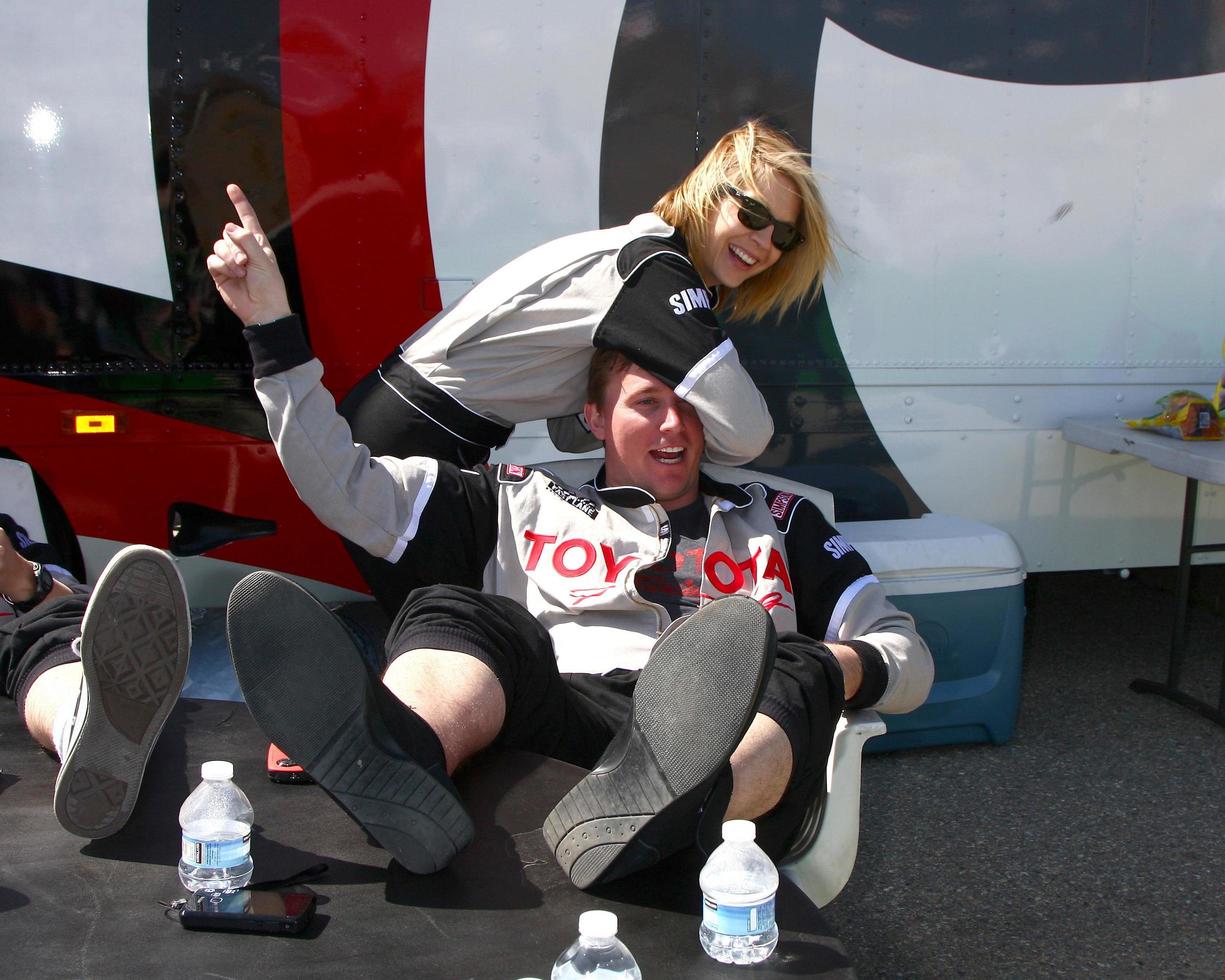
(1092, 844)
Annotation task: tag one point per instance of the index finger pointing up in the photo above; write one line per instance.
(246, 213)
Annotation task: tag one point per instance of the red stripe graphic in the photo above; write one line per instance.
(352, 108)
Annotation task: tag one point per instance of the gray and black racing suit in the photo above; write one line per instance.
(516, 348)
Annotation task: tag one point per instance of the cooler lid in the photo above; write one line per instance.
(937, 553)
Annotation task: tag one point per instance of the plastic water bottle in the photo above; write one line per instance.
(597, 952)
(216, 820)
(739, 883)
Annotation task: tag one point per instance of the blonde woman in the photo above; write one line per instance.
(744, 233)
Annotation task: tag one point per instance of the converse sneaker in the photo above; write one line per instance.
(134, 645)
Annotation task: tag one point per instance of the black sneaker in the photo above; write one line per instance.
(694, 701)
(308, 688)
(134, 646)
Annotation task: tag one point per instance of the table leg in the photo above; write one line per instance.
(1178, 639)
(1182, 598)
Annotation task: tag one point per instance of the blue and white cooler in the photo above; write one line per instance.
(963, 583)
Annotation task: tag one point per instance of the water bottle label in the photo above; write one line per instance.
(737, 920)
(216, 853)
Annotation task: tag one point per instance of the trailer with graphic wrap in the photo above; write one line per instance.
(1029, 203)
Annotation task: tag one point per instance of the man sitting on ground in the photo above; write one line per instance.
(693, 643)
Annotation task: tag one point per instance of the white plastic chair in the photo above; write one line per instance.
(823, 854)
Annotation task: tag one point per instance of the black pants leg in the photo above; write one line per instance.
(546, 712)
(36, 641)
(804, 695)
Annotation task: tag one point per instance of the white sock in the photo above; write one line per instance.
(65, 721)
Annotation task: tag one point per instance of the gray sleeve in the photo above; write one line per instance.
(374, 501)
(734, 415)
(867, 615)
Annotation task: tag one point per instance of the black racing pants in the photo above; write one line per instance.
(37, 641)
(573, 717)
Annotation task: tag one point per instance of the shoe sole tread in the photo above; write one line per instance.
(135, 646)
(677, 745)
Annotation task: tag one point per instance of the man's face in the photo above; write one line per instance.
(652, 439)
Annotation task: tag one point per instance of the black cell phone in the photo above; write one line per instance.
(283, 912)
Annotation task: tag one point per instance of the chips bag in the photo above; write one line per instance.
(1185, 414)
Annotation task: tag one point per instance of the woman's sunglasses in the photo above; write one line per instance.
(754, 215)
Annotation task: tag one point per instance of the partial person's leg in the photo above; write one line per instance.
(37, 645)
(797, 718)
(692, 705)
(480, 670)
(51, 690)
(761, 770)
(455, 694)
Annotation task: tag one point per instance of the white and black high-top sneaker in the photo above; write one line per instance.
(134, 646)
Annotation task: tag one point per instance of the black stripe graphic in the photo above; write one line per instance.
(686, 72)
(724, 63)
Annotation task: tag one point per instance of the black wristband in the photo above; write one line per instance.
(875, 675)
(277, 345)
(43, 584)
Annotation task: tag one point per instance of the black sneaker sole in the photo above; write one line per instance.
(135, 643)
(304, 682)
(694, 701)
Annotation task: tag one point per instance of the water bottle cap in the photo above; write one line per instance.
(597, 924)
(739, 830)
(217, 770)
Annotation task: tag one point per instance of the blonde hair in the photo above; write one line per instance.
(742, 158)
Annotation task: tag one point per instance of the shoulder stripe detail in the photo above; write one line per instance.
(430, 480)
(844, 603)
(656, 245)
(704, 365)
